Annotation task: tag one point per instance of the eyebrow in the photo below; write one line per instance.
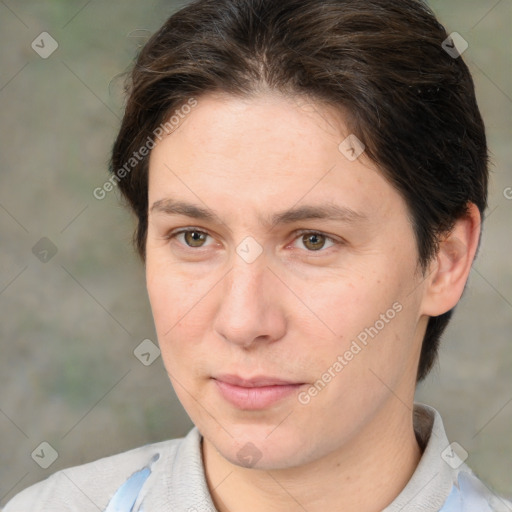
(327, 211)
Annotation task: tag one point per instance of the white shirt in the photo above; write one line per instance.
(169, 477)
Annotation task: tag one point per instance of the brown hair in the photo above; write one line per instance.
(409, 101)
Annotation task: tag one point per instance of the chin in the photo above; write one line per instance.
(259, 446)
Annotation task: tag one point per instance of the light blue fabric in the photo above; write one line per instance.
(126, 496)
(467, 496)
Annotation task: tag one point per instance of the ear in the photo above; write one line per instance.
(449, 271)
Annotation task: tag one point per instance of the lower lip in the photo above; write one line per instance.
(257, 397)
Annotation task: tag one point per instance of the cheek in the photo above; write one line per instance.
(371, 317)
(349, 303)
(182, 310)
(172, 294)
(180, 317)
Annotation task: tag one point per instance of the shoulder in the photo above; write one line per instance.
(90, 486)
(442, 482)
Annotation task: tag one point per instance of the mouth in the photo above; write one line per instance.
(256, 393)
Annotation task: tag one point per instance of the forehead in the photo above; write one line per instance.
(259, 131)
(262, 152)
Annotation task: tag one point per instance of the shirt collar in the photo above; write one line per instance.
(183, 487)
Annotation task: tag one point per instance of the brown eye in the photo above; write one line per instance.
(194, 238)
(313, 241)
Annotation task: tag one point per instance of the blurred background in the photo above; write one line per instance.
(73, 306)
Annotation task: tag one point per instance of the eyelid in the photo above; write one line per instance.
(178, 231)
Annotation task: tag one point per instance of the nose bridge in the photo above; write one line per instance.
(249, 273)
(245, 286)
(248, 309)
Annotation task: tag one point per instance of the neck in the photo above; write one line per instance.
(364, 477)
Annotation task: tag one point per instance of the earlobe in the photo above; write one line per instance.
(449, 271)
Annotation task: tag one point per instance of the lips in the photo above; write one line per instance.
(256, 393)
(254, 382)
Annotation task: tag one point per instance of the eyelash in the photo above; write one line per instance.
(297, 234)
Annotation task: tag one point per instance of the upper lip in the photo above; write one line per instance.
(254, 382)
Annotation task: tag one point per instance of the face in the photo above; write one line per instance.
(283, 280)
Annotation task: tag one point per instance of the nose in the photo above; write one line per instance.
(251, 310)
